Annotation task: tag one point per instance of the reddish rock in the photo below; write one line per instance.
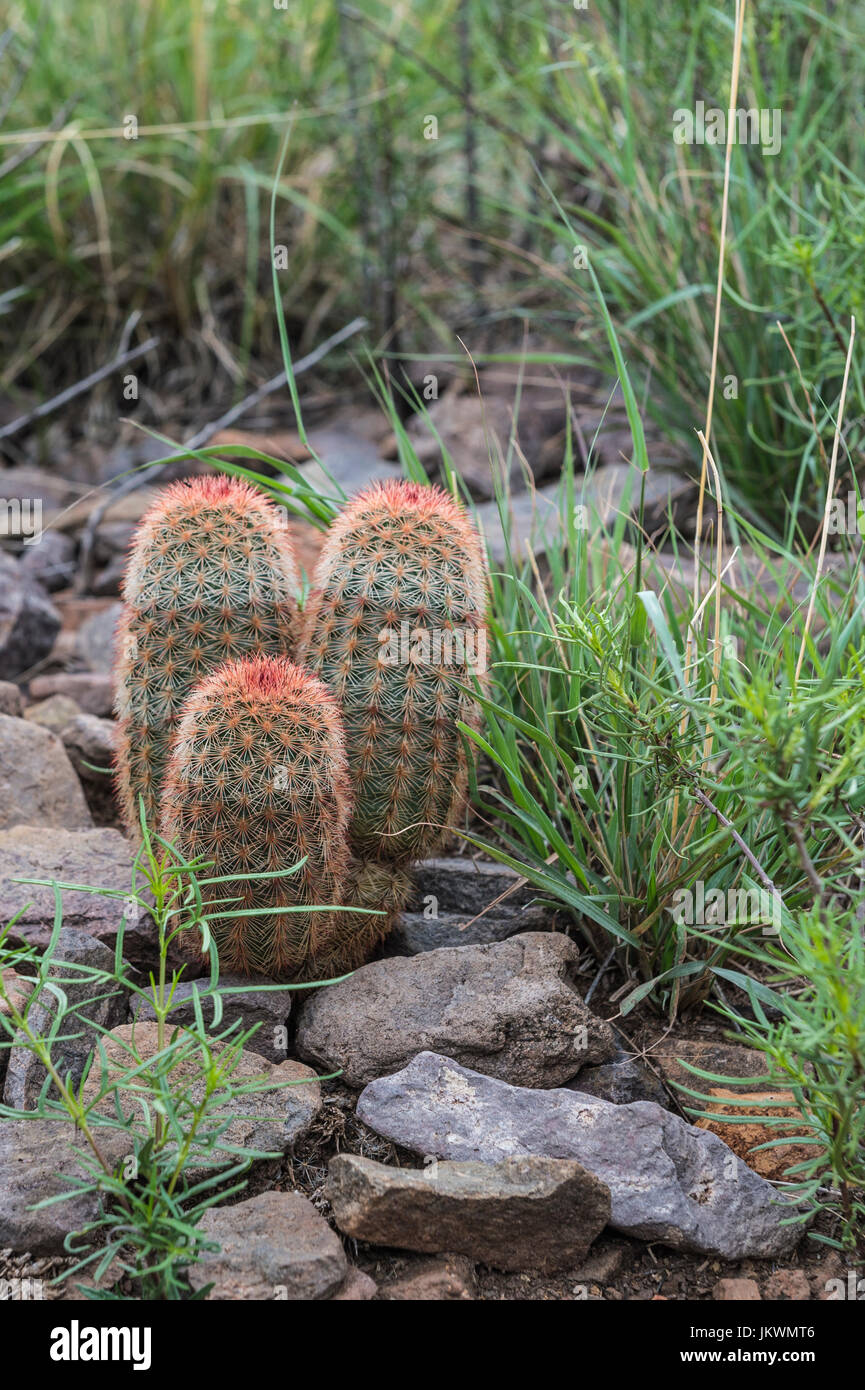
(736, 1291)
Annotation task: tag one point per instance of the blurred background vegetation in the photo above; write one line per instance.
(434, 237)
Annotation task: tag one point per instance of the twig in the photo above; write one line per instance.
(48, 407)
(139, 478)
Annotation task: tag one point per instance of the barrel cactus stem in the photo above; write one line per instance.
(395, 627)
(212, 577)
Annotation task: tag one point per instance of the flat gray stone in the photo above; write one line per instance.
(668, 1180)
(274, 1246)
(522, 1213)
(38, 785)
(25, 1074)
(509, 1009)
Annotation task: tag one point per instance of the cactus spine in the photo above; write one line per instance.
(257, 780)
(211, 577)
(394, 624)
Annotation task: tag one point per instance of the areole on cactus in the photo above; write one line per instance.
(395, 627)
(258, 781)
(211, 577)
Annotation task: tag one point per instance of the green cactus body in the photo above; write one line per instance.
(211, 578)
(258, 779)
(395, 623)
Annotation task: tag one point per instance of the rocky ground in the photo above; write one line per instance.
(490, 1137)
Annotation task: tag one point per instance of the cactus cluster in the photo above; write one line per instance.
(350, 760)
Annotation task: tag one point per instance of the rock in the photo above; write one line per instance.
(270, 1121)
(102, 858)
(621, 1081)
(445, 1279)
(50, 561)
(29, 622)
(475, 433)
(274, 1246)
(736, 1291)
(538, 517)
(357, 1288)
(94, 642)
(522, 1213)
(270, 1010)
(602, 1266)
(708, 1054)
(11, 700)
(787, 1284)
(25, 1074)
(112, 538)
(91, 692)
(668, 1180)
(38, 785)
(108, 583)
(467, 886)
(16, 992)
(350, 459)
(35, 1157)
(53, 713)
(510, 1009)
(414, 932)
(745, 1139)
(89, 743)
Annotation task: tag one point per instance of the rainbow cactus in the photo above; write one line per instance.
(211, 577)
(257, 780)
(395, 624)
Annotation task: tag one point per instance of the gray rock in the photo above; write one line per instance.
(50, 561)
(25, 1074)
(268, 1009)
(274, 1246)
(89, 742)
(466, 886)
(102, 858)
(38, 785)
(90, 691)
(11, 700)
(267, 1120)
(53, 713)
(414, 932)
(94, 641)
(29, 622)
(522, 1213)
(108, 583)
(36, 1156)
(357, 1288)
(621, 1081)
(509, 1009)
(668, 1181)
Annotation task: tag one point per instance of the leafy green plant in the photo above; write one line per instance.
(166, 1112)
(809, 1022)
